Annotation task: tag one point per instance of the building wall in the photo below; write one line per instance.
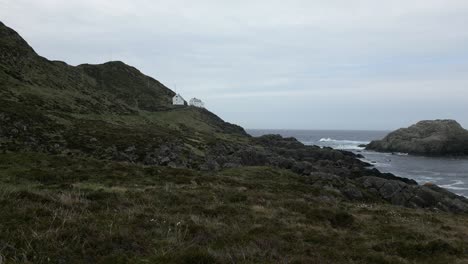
(197, 103)
(178, 100)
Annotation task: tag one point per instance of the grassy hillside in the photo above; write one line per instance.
(97, 166)
(93, 108)
(112, 87)
(86, 210)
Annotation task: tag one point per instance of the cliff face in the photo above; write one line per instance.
(432, 138)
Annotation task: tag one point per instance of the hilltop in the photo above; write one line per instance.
(102, 110)
(430, 137)
(97, 166)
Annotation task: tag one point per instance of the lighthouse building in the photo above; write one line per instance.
(197, 103)
(178, 100)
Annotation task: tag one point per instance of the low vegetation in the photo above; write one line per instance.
(57, 209)
(97, 166)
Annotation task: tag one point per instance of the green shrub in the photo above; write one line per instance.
(342, 220)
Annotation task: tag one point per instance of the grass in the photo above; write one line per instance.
(192, 130)
(70, 208)
(57, 209)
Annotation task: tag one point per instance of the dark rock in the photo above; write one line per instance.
(251, 157)
(210, 165)
(352, 192)
(431, 138)
(164, 160)
(400, 193)
(230, 165)
(346, 187)
(130, 149)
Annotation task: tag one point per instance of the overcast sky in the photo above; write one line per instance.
(297, 64)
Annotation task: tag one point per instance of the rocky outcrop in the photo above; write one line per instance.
(415, 196)
(430, 138)
(394, 191)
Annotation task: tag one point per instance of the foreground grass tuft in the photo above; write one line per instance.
(58, 209)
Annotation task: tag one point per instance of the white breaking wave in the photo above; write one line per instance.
(343, 144)
(348, 147)
(343, 141)
(453, 186)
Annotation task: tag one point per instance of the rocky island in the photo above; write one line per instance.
(97, 166)
(428, 138)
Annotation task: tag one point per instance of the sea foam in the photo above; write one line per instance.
(343, 144)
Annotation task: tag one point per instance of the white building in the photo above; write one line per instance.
(197, 103)
(178, 100)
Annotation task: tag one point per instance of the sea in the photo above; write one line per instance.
(448, 173)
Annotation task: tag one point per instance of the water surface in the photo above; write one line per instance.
(449, 173)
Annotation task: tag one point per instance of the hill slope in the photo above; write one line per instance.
(112, 87)
(52, 106)
(106, 170)
(114, 112)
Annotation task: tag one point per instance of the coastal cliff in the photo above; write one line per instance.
(429, 138)
(97, 166)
